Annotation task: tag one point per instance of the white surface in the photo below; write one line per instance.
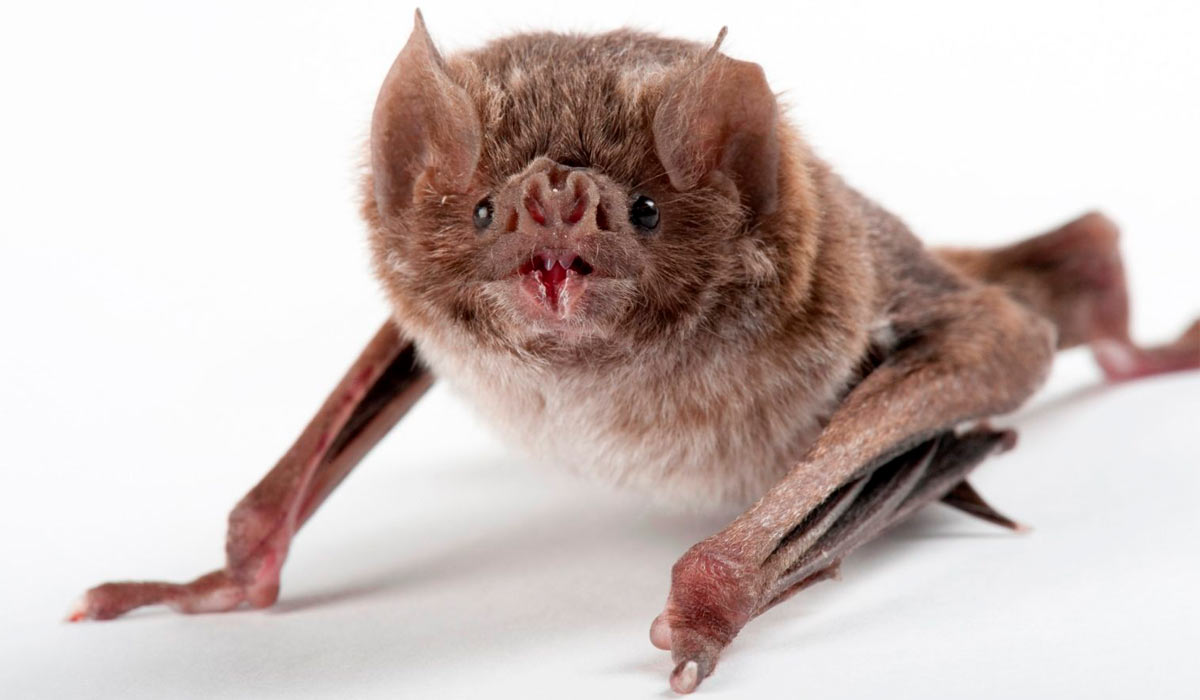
(183, 277)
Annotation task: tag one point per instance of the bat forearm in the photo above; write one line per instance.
(381, 385)
(375, 392)
(377, 389)
(976, 365)
(915, 478)
(979, 354)
(400, 385)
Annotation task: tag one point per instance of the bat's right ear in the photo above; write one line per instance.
(424, 131)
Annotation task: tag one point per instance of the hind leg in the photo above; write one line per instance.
(1073, 275)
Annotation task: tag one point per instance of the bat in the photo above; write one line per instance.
(621, 252)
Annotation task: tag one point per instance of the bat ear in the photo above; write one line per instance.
(721, 117)
(424, 127)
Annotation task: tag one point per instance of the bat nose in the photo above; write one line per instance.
(559, 197)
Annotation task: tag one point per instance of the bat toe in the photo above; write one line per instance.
(660, 632)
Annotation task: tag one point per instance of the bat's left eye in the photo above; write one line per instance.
(483, 213)
(643, 213)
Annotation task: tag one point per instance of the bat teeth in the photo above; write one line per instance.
(547, 261)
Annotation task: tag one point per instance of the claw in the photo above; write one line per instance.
(695, 655)
(111, 600)
(78, 611)
(686, 677)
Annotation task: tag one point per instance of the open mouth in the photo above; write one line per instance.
(549, 275)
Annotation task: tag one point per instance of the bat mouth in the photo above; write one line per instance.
(555, 278)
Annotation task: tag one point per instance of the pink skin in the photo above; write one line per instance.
(554, 279)
(383, 383)
(560, 263)
(1122, 360)
(702, 578)
(889, 448)
(554, 282)
(717, 587)
(262, 525)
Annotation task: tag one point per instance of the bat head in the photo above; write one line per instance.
(566, 195)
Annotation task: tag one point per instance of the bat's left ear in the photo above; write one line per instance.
(721, 117)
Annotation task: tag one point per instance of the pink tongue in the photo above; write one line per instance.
(553, 280)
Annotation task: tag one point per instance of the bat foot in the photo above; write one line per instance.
(1121, 360)
(218, 591)
(257, 547)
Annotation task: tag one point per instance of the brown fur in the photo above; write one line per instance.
(717, 301)
(777, 336)
(780, 336)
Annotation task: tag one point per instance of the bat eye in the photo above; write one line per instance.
(483, 213)
(643, 213)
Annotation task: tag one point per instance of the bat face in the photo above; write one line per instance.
(560, 196)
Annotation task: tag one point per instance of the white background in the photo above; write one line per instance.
(183, 276)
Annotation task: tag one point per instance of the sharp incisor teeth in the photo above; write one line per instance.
(547, 263)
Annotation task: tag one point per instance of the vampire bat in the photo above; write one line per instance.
(622, 253)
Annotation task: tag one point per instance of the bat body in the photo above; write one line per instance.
(621, 252)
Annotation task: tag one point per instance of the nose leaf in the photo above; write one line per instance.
(534, 199)
(559, 198)
(579, 203)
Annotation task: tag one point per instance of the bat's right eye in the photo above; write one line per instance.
(483, 213)
(643, 213)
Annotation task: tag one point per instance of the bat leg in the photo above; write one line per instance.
(890, 448)
(947, 461)
(378, 389)
(217, 591)
(1074, 276)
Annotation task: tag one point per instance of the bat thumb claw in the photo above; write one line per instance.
(686, 677)
(660, 633)
(1008, 440)
(78, 611)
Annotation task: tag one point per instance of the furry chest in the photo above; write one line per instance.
(699, 437)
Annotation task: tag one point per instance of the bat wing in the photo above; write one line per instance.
(865, 507)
